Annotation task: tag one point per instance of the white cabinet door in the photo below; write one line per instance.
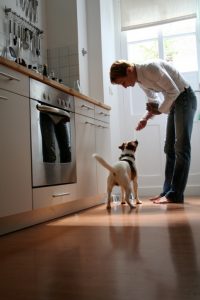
(15, 154)
(85, 147)
(14, 81)
(103, 149)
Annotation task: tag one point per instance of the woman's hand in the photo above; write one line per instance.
(142, 124)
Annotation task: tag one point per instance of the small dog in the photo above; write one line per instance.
(122, 173)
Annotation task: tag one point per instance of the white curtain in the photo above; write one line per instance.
(145, 13)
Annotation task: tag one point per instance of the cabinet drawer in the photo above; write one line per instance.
(53, 195)
(102, 114)
(84, 108)
(14, 81)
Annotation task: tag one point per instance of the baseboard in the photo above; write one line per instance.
(20, 221)
(147, 191)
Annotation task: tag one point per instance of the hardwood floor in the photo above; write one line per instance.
(151, 252)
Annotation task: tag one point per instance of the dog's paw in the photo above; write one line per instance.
(138, 201)
(131, 206)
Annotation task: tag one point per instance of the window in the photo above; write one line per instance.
(174, 42)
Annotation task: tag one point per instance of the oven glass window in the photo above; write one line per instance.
(56, 138)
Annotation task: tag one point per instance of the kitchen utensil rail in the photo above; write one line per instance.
(22, 21)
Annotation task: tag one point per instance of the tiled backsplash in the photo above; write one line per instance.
(63, 62)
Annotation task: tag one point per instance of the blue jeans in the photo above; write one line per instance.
(178, 147)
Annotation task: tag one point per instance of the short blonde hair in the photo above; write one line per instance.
(119, 69)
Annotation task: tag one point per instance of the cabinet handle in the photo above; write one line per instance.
(89, 123)
(3, 98)
(101, 126)
(87, 106)
(10, 77)
(60, 195)
(102, 113)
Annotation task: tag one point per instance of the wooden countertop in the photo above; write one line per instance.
(44, 79)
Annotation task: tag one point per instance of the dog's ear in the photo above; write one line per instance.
(132, 145)
(122, 146)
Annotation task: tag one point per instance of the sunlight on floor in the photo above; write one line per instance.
(146, 214)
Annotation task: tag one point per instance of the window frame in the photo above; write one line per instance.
(160, 40)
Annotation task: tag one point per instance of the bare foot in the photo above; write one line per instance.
(162, 200)
(155, 198)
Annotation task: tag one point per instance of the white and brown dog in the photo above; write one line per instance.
(122, 173)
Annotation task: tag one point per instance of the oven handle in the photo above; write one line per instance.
(50, 109)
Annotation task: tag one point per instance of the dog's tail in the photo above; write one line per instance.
(103, 163)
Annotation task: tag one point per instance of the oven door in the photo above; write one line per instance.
(53, 145)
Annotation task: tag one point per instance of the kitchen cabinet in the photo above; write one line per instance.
(85, 147)
(53, 195)
(15, 153)
(20, 205)
(102, 138)
(14, 81)
(92, 135)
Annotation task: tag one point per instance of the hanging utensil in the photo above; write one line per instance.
(31, 11)
(38, 45)
(10, 32)
(33, 43)
(12, 52)
(25, 39)
(18, 40)
(27, 8)
(24, 5)
(14, 34)
(31, 40)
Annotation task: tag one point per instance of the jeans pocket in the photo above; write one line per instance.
(189, 101)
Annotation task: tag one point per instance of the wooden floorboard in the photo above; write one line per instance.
(151, 252)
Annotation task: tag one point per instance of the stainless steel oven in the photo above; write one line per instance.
(52, 135)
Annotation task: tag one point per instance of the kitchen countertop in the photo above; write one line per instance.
(44, 79)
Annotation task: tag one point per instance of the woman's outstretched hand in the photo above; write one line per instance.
(141, 124)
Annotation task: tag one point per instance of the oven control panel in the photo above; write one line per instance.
(49, 95)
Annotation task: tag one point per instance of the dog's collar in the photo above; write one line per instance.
(126, 155)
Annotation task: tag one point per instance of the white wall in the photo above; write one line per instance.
(94, 50)
(110, 51)
(61, 23)
(62, 40)
(150, 157)
(129, 105)
(83, 45)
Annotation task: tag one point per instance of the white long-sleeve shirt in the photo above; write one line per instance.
(160, 77)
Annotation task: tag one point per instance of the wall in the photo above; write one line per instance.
(110, 50)
(62, 40)
(150, 158)
(104, 47)
(82, 46)
(94, 50)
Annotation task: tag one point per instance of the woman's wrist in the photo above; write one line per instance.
(148, 116)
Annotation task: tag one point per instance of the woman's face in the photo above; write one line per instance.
(129, 79)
